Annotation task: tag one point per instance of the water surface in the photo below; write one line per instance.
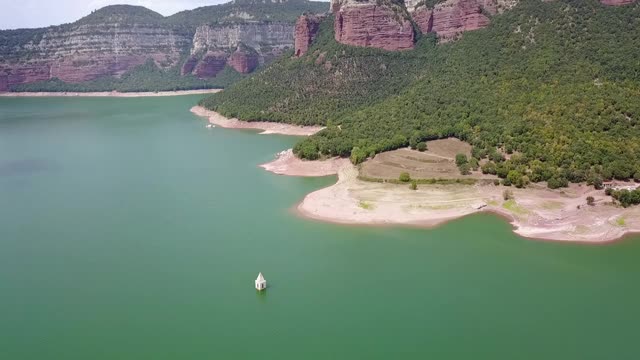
(129, 231)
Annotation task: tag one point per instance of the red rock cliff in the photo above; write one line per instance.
(365, 23)
(453, 17)
(306, 30)
(244, 60)
(211, 64)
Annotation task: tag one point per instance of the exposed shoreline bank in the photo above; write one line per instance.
(109, 93)
(266, 127)
(534, 213)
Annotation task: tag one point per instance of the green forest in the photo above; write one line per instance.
(549, 92)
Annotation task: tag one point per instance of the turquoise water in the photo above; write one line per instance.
(129, 231)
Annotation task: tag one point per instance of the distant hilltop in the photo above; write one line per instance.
(114, 40)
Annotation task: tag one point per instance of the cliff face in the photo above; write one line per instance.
(86, 52)
(245, 46)
(244, 60)
(453, 17)
(379, 24)
(386, 24)
(306, 30)
(115, 39)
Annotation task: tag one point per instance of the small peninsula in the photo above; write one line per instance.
(359, 198)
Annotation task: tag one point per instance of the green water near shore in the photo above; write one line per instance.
(129, 231)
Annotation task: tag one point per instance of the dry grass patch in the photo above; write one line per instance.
(438, 162)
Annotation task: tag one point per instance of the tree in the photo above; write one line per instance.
(415, 139)
(591, 201)
(465, 169)
(474, 164)
(514, 178)
(489, 168)
(557, 182)
(358, 156)
(461, 159)
(405, 177)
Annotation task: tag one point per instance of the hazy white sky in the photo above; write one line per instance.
(39, 13)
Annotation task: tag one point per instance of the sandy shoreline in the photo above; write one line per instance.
(266, 127)
(287, 163)
(535, 213)
(109, 93)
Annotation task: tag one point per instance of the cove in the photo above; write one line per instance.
(130, 231)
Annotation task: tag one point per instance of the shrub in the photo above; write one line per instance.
(465, 169)
(414, 185)
(358, 156)
(591, 201)
(422, 146)
(557, 182)
(405, 177)
(461, 159)
(507, 195)
(474, 164)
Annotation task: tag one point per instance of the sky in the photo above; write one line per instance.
(16, 14)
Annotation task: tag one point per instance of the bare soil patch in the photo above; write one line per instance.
(438, 162)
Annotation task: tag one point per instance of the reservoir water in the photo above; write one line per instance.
(130, 231)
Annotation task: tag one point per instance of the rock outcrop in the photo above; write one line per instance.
(211, 64)
(306, 30)
(244, 60)
(189, 65)
(269, 40)
(386, 24)
(423, 17)
(453, 17)
(242, 46)
(617, 2)
(372, 23)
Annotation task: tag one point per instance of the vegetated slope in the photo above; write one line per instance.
(252, 10)
(556, 83)
(122, 14)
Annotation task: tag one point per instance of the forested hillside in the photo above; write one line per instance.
(553, 86)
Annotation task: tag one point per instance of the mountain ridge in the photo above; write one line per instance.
(94, 52)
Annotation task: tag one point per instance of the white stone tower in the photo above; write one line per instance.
(261, 283)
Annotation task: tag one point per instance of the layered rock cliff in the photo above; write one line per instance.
(382, 24)
(386, 24)
(306, 30)
(86, 52)
(451, 18)
(245, 46)
(111, 41)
